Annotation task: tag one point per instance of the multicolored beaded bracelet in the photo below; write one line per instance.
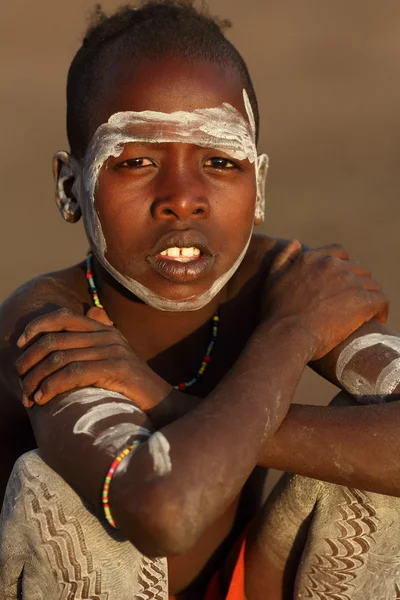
(109, 476)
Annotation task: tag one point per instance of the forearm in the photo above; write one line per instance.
(167, 494)
(355, 446)
(366, 365)
(214, 447)
(348, 445)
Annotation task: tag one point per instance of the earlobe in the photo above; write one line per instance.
(64, 171)
(262, 172)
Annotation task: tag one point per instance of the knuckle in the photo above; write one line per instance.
(308, 258)
(57, 358)
(29, 329)
(19, 364)
(48, 341)
(76, 368)
(329, 264)
(47, 386)
(118, 350)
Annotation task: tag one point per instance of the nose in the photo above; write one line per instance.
(182, 199)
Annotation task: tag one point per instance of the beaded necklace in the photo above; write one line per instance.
(214, 332)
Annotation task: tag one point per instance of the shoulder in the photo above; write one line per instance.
(43, 294)
(257, 263)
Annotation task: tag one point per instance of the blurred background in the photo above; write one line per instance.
(328, 82)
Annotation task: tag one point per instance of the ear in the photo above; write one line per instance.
(262, 172)
(64, 171)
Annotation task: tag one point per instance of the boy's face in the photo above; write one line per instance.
(176, 217)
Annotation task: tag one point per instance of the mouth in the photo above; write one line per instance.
(182, 257)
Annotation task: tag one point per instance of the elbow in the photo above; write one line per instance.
(158, 527)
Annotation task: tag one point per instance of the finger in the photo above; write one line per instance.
(52, 342)
(26, 402)
(99, 314)
(380, 305)
(56, 361)
(356, 268)
(60, 320)
(368, 284)
(333, 250)
(82, 374)
(288, 256)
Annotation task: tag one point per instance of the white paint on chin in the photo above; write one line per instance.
(165, 304)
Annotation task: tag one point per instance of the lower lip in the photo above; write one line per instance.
(191, 269)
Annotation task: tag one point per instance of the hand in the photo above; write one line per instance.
(64, 351)
(325, 293)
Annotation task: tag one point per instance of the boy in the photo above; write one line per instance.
(162, 120)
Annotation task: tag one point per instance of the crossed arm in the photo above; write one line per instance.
(208, 452)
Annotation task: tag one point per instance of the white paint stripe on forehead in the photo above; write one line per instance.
(222, 128)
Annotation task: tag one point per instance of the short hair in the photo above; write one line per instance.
(151, 29)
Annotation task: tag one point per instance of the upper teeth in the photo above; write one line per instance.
(181, 252)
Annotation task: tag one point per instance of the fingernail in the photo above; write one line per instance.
(21, 341)
(38, 396)
(26, 402)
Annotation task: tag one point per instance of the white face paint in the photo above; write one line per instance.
(222, 128)
(387, 380)
(159, 449)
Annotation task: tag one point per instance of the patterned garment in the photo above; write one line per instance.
(53, 547)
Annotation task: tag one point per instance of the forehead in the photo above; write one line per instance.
(167, 85)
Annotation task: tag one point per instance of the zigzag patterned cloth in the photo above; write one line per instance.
(352, 550)
(53, 547)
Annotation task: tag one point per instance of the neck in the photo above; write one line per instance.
(149, 331)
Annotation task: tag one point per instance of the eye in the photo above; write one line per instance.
(220, 163)
(135, 163)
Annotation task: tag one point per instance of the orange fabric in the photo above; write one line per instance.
(236, 586)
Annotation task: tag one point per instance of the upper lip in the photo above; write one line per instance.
(182, 239)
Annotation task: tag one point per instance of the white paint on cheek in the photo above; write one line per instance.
(87, 422)
(116, 438)
(222, 128)
(387, 380)
(159, 449)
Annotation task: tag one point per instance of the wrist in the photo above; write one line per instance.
(293, 334)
